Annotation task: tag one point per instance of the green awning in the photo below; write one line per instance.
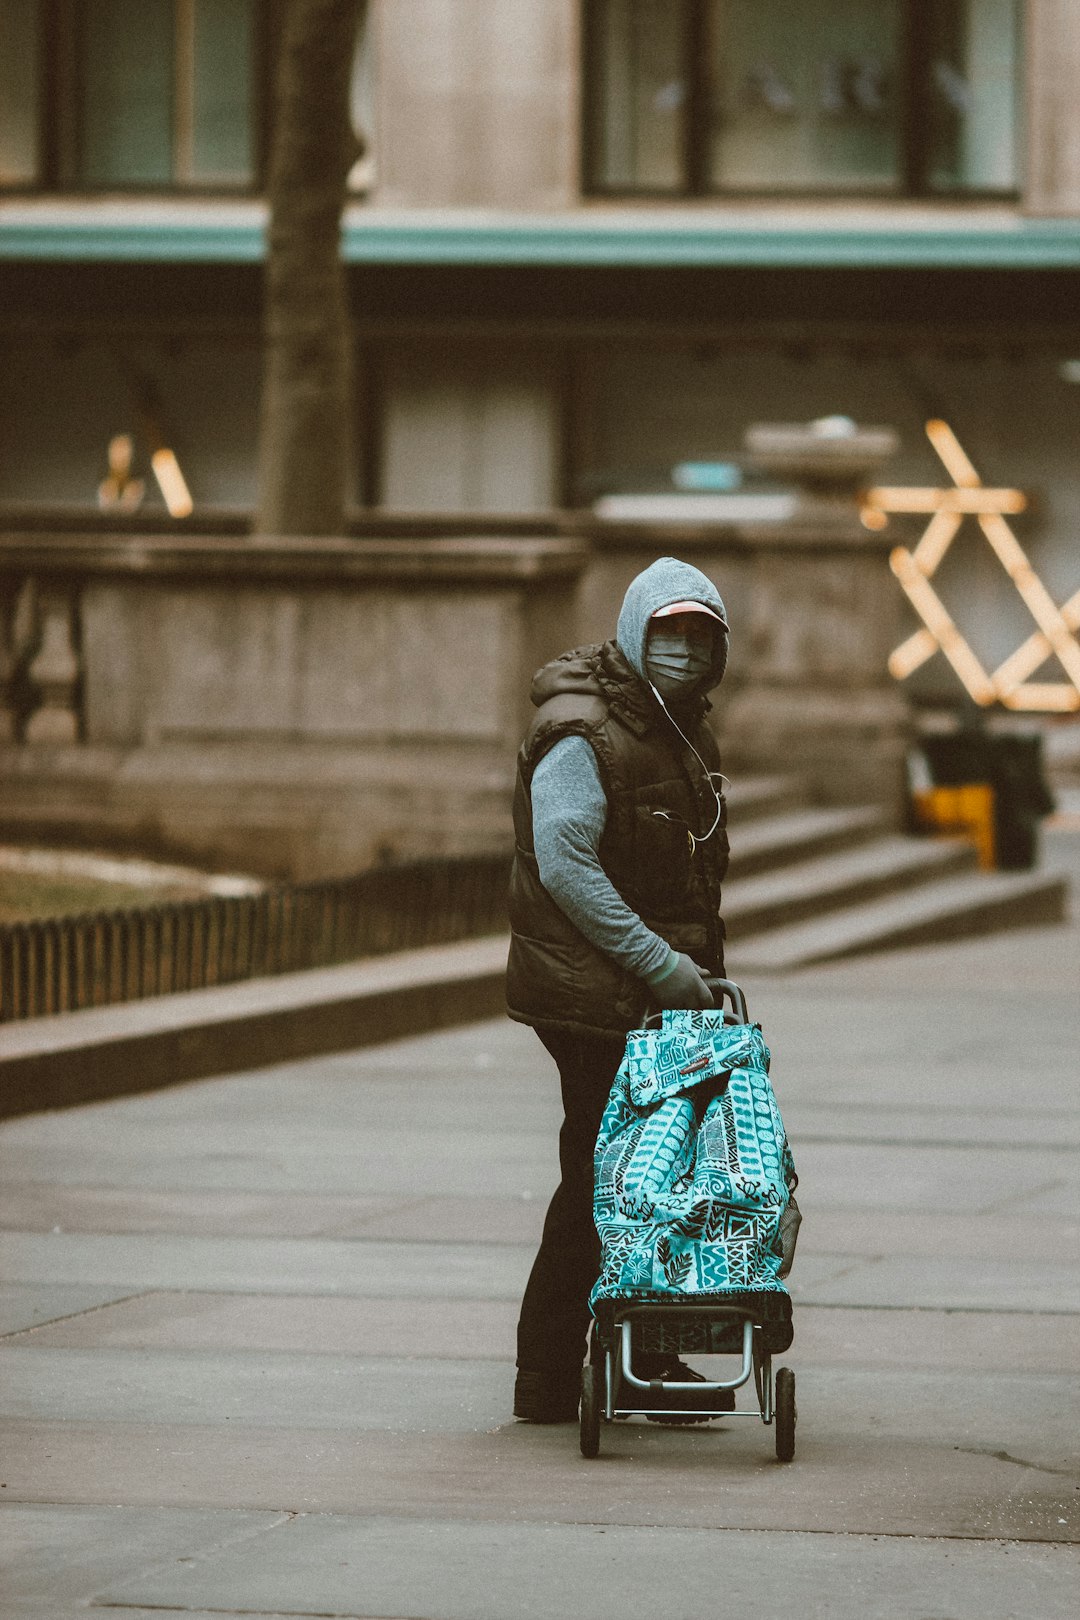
(992, 239)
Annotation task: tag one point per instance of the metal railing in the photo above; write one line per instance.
(63, 964)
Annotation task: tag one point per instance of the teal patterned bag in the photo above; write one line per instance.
(693, 1170)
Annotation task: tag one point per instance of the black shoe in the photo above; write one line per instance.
(547, 1397)
(710, 1401)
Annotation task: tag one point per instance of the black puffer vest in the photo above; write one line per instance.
(656, 795)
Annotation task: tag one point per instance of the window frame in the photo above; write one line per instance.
(61, 94)
(913, 166)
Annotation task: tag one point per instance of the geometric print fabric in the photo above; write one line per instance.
(692, 1167)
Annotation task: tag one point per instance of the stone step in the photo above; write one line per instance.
(798, 835)
(751, 797)
(776, 899)
(954, 908)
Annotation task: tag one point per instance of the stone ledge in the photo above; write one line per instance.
(819, 527)
(468, 559)
(143, 1045)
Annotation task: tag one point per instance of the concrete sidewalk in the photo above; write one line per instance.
(258, 1333)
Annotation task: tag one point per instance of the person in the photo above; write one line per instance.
(621, 845)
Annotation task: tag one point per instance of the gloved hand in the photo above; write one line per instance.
(684, 986)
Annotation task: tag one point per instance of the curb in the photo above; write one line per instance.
(84, 1057)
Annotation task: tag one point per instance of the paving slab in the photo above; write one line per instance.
(483, 1330)
(1043, 1129)
(375, 1165)
(972, 1341)
(43, 1207)
(274, 1388)
(28, 1305)
(1016, 1235)
(956, 1182)
(1056, 1196)
(78, 1611)
(306, 1324)
(459, 1220)
(946, 1283)
(63, 1554)
(310, 1324)
(448, 1570)
(318, 1266)
(837, 1078)
(864, 1478)
(940, 1283)
(462, 1140)
(1029, 1415)
(40, 1207)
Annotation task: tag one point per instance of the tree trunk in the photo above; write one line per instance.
(305, 420)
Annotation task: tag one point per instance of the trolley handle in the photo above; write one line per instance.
(727, 990)
(723, 990)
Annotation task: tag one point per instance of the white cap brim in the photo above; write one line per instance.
(689, 607)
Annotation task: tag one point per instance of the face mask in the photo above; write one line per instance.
(674, 663)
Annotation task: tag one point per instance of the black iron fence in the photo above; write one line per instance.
(62, 964)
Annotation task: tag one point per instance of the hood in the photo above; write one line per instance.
(601, 673)
(665, 581)
(573, 671)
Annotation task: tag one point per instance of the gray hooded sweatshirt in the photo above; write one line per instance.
(569, 806)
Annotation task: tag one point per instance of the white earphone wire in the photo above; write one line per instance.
(694, 842)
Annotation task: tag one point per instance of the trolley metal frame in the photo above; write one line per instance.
(610, 1376)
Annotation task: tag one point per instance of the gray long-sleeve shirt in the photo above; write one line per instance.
(569, 808)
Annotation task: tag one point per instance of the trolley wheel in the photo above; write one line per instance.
(786, 1414)
(590, 1411)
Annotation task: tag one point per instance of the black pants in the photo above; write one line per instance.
(554, 1321)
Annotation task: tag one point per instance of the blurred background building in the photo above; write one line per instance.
(590, 243)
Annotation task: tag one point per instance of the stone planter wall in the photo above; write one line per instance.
(292, 708)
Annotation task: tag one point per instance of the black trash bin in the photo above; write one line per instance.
(1012, 764)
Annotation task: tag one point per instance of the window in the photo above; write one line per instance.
(908, 97)
(20, 73)
(130, 93)
(149, 94)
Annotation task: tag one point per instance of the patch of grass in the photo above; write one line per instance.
(28, 896)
